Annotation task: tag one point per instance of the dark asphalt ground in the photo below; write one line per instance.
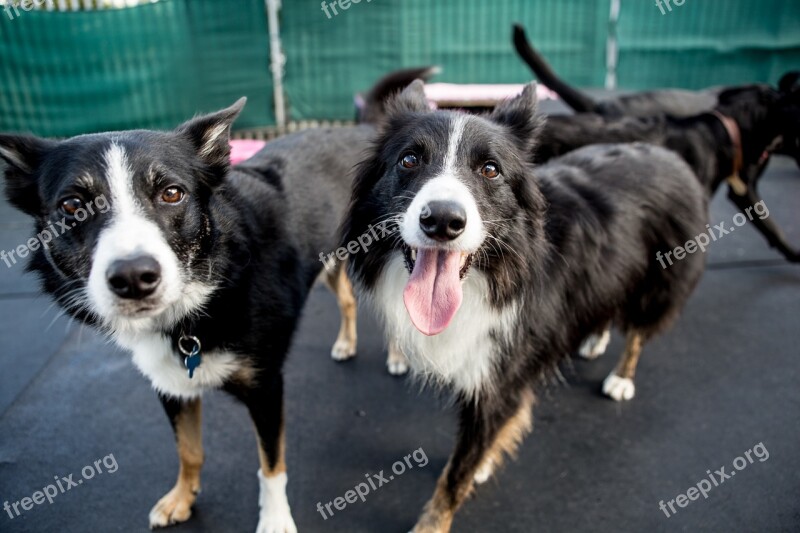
(723, 380)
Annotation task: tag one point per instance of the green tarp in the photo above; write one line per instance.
(64, 73)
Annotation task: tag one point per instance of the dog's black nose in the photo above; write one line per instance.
(135, 278)
(443, 221)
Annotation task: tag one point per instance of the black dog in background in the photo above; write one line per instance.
(730, 140)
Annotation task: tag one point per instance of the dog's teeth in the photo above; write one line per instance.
(413, 255)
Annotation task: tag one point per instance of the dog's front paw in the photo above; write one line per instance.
(174, 507)
(277, 522)
(484, 472)
(275, 517)
(343, 349)
(594, 345)
(396, 362)
(618, 388)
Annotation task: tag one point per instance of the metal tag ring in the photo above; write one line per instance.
(195, 345)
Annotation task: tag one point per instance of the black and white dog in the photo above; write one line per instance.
(200, 270)
(502, 268)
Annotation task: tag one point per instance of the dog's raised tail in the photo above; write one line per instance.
(571, 96)
(370, 106)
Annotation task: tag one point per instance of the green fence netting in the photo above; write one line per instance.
(704, 43)
(64, 73)
(328, 59)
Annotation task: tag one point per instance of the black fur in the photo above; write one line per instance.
(652, 105)
(766, 120)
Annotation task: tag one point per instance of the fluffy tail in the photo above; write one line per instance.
(571, 96)
(370, 107)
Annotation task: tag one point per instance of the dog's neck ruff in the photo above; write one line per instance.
(735, 136)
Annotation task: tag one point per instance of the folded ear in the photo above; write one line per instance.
(211, 134)
(410, 100)
(23, 154)
(519, 115)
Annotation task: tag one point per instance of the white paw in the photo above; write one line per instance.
(484, 472)
(595, 345)
(173, 508)
(618, 388)
(397, 368)
(396, 362)
(276, 523)
(343, 350)
(275, 516)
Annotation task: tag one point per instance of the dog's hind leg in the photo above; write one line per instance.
(484, 437)
(619, 383)
(595, 344)
(186, 419)
(265, 403)
(345, 346)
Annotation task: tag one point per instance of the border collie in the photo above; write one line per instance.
(201, 271)
(502, 268)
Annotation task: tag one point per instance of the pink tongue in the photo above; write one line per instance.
(433, 293)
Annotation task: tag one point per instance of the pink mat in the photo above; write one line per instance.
(449, 94)
(244, 149)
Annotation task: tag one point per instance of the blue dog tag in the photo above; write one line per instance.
(192, 361)
(192, 358)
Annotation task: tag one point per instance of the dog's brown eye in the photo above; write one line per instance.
(409, 161)
(69, 206)
(172, 195)
(490, 170)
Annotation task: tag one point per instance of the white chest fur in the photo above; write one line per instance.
(464, 354)
(154, 357)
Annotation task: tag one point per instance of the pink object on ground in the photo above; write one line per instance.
(244, 149)
(453, 94)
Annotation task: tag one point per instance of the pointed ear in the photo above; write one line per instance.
(519, 115)
(410, 100)
(211, 134)
(23, 154)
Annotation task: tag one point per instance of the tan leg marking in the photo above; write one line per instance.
(280, 464)
(619, 384)
(626, 368)
(338, 282)
(508, 438)
(437, 516)
(176, 505)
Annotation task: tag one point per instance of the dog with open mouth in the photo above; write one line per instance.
(200, 269)
(500, 268)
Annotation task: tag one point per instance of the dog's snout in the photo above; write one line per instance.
(443, 221)
(134, 278)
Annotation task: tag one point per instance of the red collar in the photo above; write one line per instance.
(735, 135)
